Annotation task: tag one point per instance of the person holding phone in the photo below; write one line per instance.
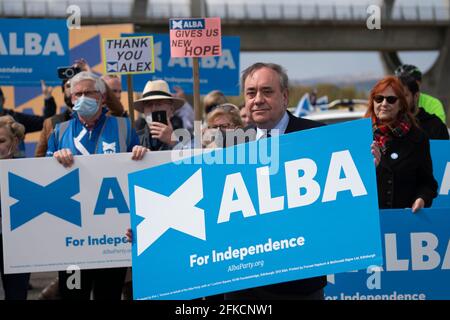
(158, 105)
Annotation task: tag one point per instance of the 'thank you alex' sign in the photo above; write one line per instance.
(129, 55)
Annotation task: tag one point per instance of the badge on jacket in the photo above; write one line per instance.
(394, 156)
(109, 147)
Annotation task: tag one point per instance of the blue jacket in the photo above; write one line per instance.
(109, 135)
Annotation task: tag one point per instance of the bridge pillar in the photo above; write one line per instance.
(198, 8)
(388, 8)
(139, 9)
(390, 61)
(435, 81)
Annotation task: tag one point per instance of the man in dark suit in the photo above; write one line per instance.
(265, 87)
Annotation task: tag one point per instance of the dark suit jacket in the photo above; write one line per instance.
(297, 287)
(31, 122)
(294, 124)
(405, 172)
(298, 124)
(432, 125)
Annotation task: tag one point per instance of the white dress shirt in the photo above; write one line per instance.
(279, 128)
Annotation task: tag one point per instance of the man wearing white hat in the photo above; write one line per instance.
(158, 105)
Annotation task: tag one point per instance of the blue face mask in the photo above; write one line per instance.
(86, 107)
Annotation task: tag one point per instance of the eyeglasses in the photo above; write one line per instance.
(221, 126)
(389, 99)
(89, 93)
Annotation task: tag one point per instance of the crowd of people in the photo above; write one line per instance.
(404, 120)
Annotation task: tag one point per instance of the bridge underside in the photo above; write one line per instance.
(298, 37)
(337, 36)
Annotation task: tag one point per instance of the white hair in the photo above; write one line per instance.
(85, 75)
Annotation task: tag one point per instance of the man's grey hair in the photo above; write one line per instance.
(85, 75)
(284, 80)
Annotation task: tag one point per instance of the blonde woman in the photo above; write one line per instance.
(224, 117)
(11, 134)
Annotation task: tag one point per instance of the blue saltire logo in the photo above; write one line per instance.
(187, 24)
(178, 211)
(34, 199)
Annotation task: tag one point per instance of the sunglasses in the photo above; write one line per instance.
(389, 99)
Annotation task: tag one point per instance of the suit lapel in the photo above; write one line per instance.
(291, 126)
(250, 131)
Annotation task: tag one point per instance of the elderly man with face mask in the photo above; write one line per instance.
(112, 103)
(158, 106)
(92, 131)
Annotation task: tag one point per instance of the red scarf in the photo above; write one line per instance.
(383, 133)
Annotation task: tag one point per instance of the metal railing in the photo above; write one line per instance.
(159, 10)
(325, 12)
(53, 9)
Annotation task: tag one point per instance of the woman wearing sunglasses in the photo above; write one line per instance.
(401, 150)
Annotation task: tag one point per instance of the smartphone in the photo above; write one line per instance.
(67, 72)
(160, 116)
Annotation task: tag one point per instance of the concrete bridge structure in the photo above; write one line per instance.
(282, 27)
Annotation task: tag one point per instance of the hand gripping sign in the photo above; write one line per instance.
(56, 217)
(199, 37)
